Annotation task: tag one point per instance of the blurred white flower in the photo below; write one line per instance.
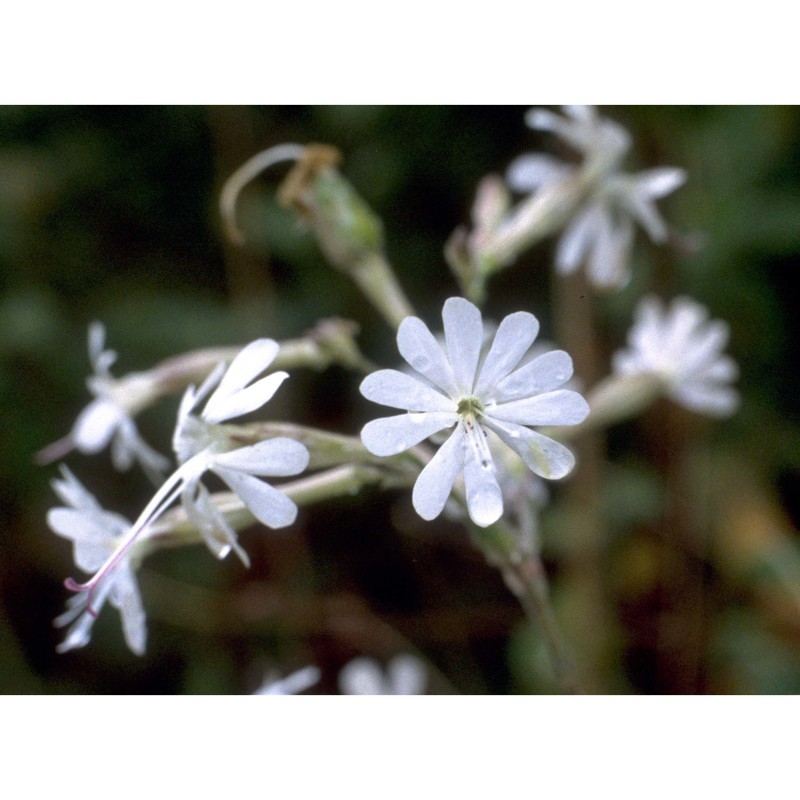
(600, 232)
(202, 444)
(294, 683)
(480, 397)
(404, 674)
(95, 534)
(685, 349)
(109, 417)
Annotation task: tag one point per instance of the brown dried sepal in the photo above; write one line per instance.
(317, 157)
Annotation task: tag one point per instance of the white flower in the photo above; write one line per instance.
(203, 445)
(404, 675)
(682, 346)
(95, 534)
(295, 683)
(600, 234)
(478, 395)
(108, 418)
(201, 441)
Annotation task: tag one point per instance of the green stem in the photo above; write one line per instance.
(528, 582)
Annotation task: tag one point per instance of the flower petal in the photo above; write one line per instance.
(530, 172)
(514, 337)
(268, 504)
(561, 407)
(362, 676)
(248, 364)
(243, 401)
(719, 401)
(203, 513)
(577, 238)
(546, 457)
(126, 597)
(96, 424)
(407, 675)
(660, 181)
(399, 390)
(435, 482)
(420, 349)
(278, 456)
(463, 332)
(388, 436)
(484, 498)
(73, 492)
(543, 374)
(607, 266)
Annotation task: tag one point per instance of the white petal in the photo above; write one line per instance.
(362, 676)
(125, 596)
(607, 266)
(703, 346)
(484, 499)
(73, 492)
(279, 456)
(463, 332)
(577, 238)
(248, 364)
(407, 675)
(514, 337)
(388, 436)
(646, 214)
(723, 370)
(543, 374)
(204, 514)
(268, 504)
(96, 425)
(530, 172)
(543, 455)
(542, 119)
(90, 526)
(221, 407)
(653, 183)
(79, 635)
(193, 397)
(292, 684)
(561, 407)
(435, 482)
(96, 341)
(420, 349)
(399, 390)
(719, 401)
(581, 113)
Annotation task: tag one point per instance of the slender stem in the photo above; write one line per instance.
(376, 279)
(514, 550)
(528, 582)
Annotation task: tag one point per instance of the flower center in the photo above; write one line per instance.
(470, 407)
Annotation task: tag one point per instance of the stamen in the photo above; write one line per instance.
(476, 437)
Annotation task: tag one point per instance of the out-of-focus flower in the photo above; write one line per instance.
(295, 683)
(109, 417)
(203, 444)
(601, 229)
(480, 396)
(682, 346)
(404, 674)
(95, 534)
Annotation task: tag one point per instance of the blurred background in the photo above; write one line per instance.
(674, 561)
